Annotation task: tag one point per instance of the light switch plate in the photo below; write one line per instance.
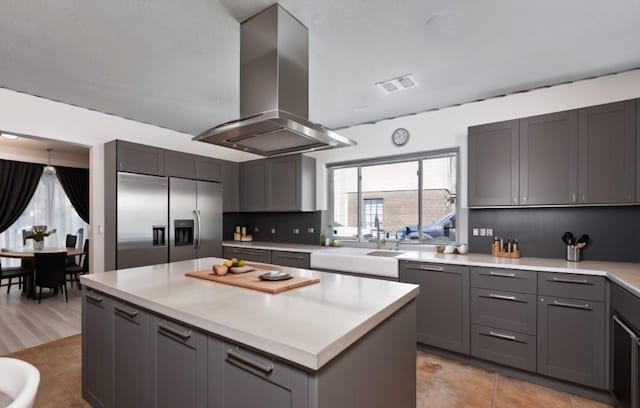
(483, 232)
(489, 232)
(475, 232)
(273, 230)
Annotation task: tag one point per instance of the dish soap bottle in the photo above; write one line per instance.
(328, 236)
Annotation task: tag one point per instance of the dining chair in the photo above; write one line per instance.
(50, 272)
(72, 272)
(13, 272)
(70, 242)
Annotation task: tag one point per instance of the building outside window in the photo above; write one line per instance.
(415, 195)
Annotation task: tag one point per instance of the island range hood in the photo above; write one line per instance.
(274, 91)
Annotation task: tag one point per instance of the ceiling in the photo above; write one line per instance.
(175, 63)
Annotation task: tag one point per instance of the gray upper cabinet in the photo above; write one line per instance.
(443, 304)
(493, 164)
(549, 159)
(137, 158)
(607, 156)
(97, 349)
(208, 169)
(253, 185)
(191, 166)
(230, 187)
(284, 183)
(637, 151)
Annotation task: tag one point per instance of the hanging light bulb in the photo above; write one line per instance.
(49, 169)
(9, 137)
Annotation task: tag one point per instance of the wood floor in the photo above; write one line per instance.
(441, 383)
(24, 323)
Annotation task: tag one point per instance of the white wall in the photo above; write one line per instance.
(447, 128)
(29, 155)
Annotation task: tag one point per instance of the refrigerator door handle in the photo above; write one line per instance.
(199, 229)
(196, 238)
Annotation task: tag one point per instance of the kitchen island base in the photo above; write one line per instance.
(135, 356)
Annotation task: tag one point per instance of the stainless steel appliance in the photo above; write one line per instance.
(195, 217)
(274, 91)
(162, 219)
(142, 220)
(626, 364)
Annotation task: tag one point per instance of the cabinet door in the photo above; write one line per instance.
(137, 158)
(179, 164)
(443, 304)
(493, 164)
(97, 349)
(638, 153)
(284, 192)
(607, 160)
(254, 255)
(549, 159)
(292, 259)
(571, 340)
(230, 186)
(208, 169)
(253, 185)
(242, 378)
(131, 385)
(179, 365)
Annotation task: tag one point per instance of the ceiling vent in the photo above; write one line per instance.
(397, 84)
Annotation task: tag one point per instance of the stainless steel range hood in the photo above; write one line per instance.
(274, 91)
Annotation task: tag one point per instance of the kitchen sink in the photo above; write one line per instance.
(384, 253)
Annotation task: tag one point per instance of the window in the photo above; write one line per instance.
(414, 197)
(49, 206)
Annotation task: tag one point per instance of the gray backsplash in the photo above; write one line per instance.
(283, 222)
(614, 231)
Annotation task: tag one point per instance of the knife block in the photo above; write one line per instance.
(495, 251)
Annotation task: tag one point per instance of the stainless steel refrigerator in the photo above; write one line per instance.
(162, 219)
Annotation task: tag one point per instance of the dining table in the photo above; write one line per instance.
(28, 255)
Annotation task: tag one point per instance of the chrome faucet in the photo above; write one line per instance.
(377, 225)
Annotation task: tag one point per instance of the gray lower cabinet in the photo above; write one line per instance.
(607, 158)
(549, 159)
(178, 365)
(504, 310)
(571, 340)
(494, 164)
(130, 356)
(240, 378)
(97, 349)
(510, 280)
(443, 304)
(504, 347)
(291, 259)
(253, 255)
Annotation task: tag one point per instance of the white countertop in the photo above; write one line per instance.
(308, 326)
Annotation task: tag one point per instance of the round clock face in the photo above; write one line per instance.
(400, 137)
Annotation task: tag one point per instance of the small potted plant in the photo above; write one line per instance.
(38, 233)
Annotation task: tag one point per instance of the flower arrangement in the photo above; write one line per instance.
(39, 232)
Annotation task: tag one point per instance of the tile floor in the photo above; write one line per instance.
(441, 383)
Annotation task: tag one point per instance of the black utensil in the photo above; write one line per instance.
(568, 238)
(584, 239)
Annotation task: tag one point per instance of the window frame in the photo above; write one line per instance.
(419, 157)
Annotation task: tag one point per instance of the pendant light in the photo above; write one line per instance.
(49, 169)
(9, 137)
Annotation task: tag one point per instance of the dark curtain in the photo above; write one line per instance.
(75, 183)
(18, 182)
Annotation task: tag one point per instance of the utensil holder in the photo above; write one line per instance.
(574, 254)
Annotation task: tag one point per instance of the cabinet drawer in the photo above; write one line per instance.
(504, 347)
(253, 255)
(504, 310)
(433, 267)
(292, 259)
(510, 280)
(572, 286)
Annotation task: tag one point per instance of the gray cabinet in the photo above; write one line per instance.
(142, 159)
(179, 365)
(97, 349)
(493, 164)
(284, 183)
(253, 255)
(291, 259)
(504, 347)
(231, 187)
(571, 340)
(191, 166)
(130, 356)
(637, 151)
(571, 286)
(242, 378)
(208, 169)
(511, 280)
(443, 303)
(253, 185)
(607, 158)
(504, 310)
(549, 159)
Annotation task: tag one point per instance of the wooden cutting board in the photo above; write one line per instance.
(251, 280)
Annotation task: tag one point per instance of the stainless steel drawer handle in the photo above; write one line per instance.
(129, 313)
(183, 334)
(503, 274)
(504, 297)
(300, 258)
(97, 299)
(625, 328)
(502, 336)
(233, 355)
(435, 268)
(578, 281)
(564, 304)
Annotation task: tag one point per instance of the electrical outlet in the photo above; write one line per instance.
(483, 232)
(475, 232)
(256, 229)
(296, 231)
(273, 230)
(489, 232)
(310, 230)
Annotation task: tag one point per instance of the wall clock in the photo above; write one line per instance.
(400, 137)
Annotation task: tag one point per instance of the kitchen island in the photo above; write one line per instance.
(155, 337)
